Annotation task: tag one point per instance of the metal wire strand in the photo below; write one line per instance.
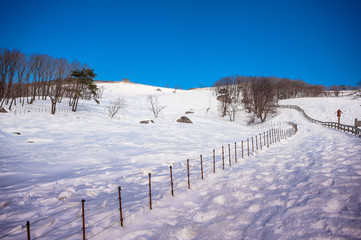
(104, 230)
(16, 230)
(56, 228)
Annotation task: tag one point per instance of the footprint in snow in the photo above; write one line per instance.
(91, 193)
(245, 219)
(254, 208)
(186, 233)
(333, 206)
(66, 194)
(4, 204)
(205, 216)
(221, 200)
(328, 183)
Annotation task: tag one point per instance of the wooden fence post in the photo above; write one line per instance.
(256, 143)
(248, 146)
(252, 146)
(260, 140)
(264, 138)
(229, 155)
(235, 151)
(267, 139)
(273, 135)
(242, 149)
(171, 180)
(120, 207)
(214, 161)
(83, 217)
(28, 229)
(189, 181)
(280, 135)
(201, 167)
(223, 157)
(150, 192)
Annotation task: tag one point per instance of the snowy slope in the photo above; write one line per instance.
(324, 109)
(304, 187)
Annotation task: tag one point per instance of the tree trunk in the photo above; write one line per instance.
(53, 106)
(75, 105)
(11, 103)
(2, 103)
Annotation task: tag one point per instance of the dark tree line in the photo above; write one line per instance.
(23, 79)
(228, 91)
(259, 95)
(356, 91)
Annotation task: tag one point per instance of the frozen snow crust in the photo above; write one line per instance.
(303, 187)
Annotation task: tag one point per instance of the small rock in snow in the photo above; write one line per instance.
(184, 119)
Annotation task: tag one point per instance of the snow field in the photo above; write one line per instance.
(305, 187)
(273, 195)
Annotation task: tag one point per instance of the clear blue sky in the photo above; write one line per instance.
(193, 43)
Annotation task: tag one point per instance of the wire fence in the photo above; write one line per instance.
(342, 127)
(26, 111)
(88, 219)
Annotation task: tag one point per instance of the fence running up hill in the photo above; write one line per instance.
(346, 128)
(23, 111)
(88, 219)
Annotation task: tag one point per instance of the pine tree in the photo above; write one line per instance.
(83, 86)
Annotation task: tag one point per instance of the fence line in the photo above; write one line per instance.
(196, 168)
(44, 110)
(341, 127)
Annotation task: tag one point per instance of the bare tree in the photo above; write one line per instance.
(154, 105)
(38, 69)
(259, 97)
(335, 89)
(223, 88)
(316, 90)
(42, 76)
(228, 91)
(115, 106)
(356, 92)
(100, 92)
(20, 72)
(59, 73)
(13, 70)
(4, 69)
(232, 110)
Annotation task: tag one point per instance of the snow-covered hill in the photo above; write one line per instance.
(304, 187)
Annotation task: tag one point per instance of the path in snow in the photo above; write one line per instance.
(305, 187)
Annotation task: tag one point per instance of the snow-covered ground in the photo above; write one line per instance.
(324, 109)
(306, 186)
